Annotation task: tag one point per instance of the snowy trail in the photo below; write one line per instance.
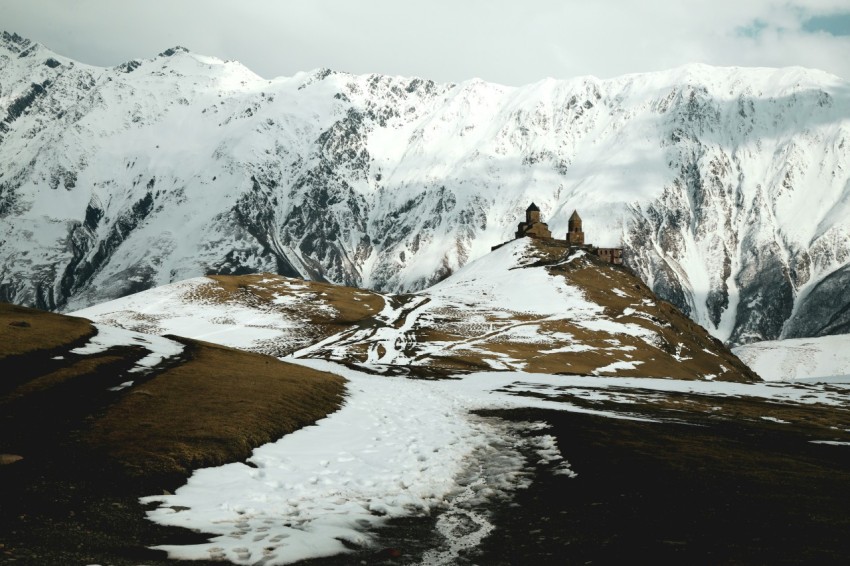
(299, 497)
(398, 447)
(386, 344)
(401, 447)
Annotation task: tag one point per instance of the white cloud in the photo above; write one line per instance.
(513, 42)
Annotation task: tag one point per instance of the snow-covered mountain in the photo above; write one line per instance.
(826, 358)
(729, 188)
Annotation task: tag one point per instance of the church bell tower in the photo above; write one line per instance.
(575, 234)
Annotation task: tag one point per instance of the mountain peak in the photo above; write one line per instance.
(15, 43)
(171, 51)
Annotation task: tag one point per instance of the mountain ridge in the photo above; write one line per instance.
(118, 179)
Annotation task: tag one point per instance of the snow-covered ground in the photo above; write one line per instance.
(499, 301)
(177, 309)
(819, 358)
(398, 447)
(159, 348)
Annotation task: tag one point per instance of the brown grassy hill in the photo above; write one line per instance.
(528, 306)
(83, 435)
(263, 313)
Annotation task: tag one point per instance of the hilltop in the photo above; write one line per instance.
(530, 306)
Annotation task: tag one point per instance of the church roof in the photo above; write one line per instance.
(575, 216)
(532, 208)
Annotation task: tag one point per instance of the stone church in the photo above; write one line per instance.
(533, 227)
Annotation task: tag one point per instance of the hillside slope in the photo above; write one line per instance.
(528, 306)
(728, 187)
(94, 417)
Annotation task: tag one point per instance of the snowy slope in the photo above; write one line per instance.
(265, 313)
(537, 308)
(527, 306)
(729, 187)
(800, 358)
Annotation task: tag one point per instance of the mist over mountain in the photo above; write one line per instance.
(729, 188)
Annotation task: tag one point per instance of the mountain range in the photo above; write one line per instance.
(729, 188)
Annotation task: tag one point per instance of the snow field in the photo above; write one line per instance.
(172, 309)
(495, 283)
(793, 359)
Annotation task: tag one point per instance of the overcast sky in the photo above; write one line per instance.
(509, 42)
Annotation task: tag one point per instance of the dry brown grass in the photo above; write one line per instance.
(25, 331)
(349, 304)
(214, 408)
(473, 338)
(819, 421)
(72, 369)
(209, 406)
(826, 421)
(678, 335)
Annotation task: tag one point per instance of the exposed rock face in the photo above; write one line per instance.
(729, 188)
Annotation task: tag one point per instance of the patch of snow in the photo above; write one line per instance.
(179, 309)
(616, 366)
(775, 420)
(159, 348)
(568, 349)
(612, 327)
